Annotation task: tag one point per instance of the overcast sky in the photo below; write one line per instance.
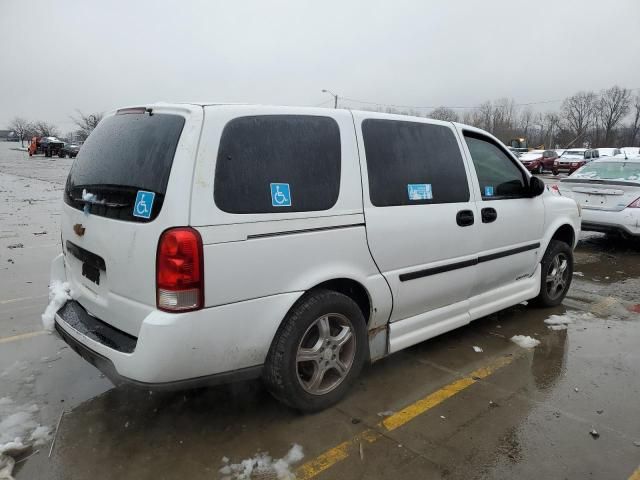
(58, 56)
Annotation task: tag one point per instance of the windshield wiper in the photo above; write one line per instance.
(101, 202)
(92, 191)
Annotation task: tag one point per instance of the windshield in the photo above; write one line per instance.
(573, 154)
(609, 171)
(531, 155)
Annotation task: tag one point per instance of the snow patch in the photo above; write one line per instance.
(477, 349)
(560, 322)
(17, 424)
(557, 327)
(6, 467)
(525, 341)
(386, 413)
(41, 435)
(90, 198)
(263, 466)
(59, 293)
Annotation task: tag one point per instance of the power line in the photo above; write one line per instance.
(431, 107)
(323, 103)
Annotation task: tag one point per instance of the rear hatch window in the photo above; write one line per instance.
(125, 154)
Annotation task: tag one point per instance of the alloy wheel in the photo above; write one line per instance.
(557, 276)
(325, 353)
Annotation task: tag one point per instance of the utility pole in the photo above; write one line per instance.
(335, 97)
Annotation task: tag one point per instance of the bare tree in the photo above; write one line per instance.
(634, 127)
(578, 111)
(484, 116)
(525, 122)
(612, 108)
(469, 117)
(503, 121)
(22, 128)
(551, 128)
(86, 123)
(45, 129)
(444, 113)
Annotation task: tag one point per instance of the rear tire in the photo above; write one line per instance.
(557, 273)
(555, 172)
(318, 351)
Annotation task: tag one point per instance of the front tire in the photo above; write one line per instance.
(539, 169)
(318, 351)
(557, 273)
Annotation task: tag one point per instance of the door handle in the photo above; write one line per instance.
(464, 218)
(488, 215)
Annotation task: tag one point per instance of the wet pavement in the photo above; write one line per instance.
(436, 410)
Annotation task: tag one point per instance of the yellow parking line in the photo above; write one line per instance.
(340, 452)
(22, 336)
(21, 299)
(635, 475)
(334, 455)
(417, 408)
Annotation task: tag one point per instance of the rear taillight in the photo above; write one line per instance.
(180, 271)
(635, 203)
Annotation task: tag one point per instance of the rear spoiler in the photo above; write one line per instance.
(629, 183)
(135, 110)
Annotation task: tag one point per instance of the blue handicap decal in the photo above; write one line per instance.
(488, 191)
(419, 191)
(144, 204)
(280, 195)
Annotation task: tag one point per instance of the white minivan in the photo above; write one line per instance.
(209, 242)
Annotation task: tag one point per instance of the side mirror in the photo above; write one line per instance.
(536, 186)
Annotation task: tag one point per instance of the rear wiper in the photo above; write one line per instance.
(91, 197)
(101, 202)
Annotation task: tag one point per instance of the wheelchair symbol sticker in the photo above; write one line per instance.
(280, 195)
(144, 204)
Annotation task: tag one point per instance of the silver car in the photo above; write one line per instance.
(608, 191)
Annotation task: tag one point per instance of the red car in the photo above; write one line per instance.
(573, 159)
(537, 161)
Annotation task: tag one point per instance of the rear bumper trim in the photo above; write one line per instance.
(607, 228)
(80, 320)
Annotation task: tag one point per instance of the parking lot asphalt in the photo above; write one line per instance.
(568, 408)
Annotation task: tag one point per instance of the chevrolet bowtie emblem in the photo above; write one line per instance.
(79, 229)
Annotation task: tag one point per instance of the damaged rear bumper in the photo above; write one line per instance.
(106, 366)
(176, 350)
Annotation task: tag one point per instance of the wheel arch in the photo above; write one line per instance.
(565, 233)
(352, 289)
(374, 303)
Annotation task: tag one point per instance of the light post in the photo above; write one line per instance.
(335, 97)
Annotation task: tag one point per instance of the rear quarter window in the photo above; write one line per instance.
(301, 153)
(403, 156)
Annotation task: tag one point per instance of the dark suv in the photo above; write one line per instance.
(69, 150)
